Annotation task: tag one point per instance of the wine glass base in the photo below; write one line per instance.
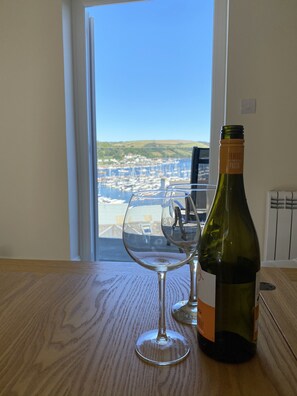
(163, 352)
(185, 313)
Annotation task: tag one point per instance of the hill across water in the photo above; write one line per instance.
(148, 148)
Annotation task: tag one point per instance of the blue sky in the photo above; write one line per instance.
(153, 62)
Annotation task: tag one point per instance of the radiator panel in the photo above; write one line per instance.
(281, 226)
(293, 250)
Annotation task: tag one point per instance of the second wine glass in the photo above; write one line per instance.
(185, 311)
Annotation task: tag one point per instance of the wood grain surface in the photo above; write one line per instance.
(69, 328)
(282, 302)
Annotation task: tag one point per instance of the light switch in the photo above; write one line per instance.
(248, 106)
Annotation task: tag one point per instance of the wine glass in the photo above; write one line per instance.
(185, 311)
(161, 238)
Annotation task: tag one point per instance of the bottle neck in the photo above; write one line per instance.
(231, 156)
(231, 166)
(231, 184)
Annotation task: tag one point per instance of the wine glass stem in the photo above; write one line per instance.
(162, 336)
(193, 282)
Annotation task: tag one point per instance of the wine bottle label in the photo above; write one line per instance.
(238, 311)
(231, 156)
(206, 303)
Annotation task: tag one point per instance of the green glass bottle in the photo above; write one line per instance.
(229, 262)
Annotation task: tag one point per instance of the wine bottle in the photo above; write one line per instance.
(229, 262)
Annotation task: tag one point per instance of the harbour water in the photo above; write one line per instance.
(117, 183)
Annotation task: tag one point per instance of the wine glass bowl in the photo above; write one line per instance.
(152, 234)
(185, 311)
(158, 238)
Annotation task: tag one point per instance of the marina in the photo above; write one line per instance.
(118, 181)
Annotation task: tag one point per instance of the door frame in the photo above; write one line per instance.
(83, 105)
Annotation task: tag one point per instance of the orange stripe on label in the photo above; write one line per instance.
(206, 320)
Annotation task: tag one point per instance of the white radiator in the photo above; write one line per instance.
(281, 226)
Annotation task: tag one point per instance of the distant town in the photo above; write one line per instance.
(125, 167)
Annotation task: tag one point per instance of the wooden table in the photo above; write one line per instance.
(69, 328)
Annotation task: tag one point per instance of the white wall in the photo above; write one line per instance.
(34, 217)
(262, 64)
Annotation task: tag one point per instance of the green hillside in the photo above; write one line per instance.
(148, 148)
